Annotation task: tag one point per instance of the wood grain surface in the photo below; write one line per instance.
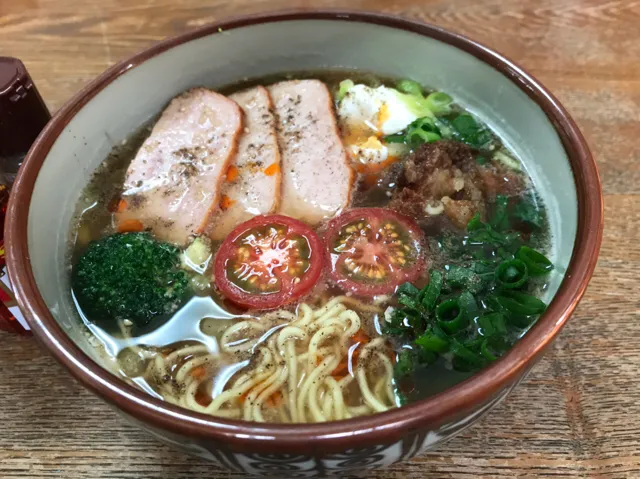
(577, 415)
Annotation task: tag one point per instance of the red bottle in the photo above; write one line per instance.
(23, 115)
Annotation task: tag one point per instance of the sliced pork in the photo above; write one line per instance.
(252, 184)
(316, 178)
(172, 185)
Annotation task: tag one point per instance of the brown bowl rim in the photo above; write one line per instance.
(380, 428)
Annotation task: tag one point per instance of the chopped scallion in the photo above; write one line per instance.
(512, 274)
(537, 263)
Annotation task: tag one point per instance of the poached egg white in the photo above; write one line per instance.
(369, 114)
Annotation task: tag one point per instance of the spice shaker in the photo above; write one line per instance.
(23, 115)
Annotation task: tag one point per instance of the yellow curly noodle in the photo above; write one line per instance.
(291, 357)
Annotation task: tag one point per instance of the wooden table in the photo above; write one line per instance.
(577, 415)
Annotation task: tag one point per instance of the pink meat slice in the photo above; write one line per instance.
(253, 179)
(316, 177)
(172, 185)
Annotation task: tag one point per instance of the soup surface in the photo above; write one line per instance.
(308, 248)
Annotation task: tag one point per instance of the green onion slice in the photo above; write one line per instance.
(439, 102)
(492, 324)
(512, 274)
(469, 305)
(537, 263)
(520, 303)
(432, 290)
(418, 137)
(410, 87)
(500, 219)
(345, 86)
(405, 364)
(451, 316)
(430, 341)
(461, 351)
(487, 351)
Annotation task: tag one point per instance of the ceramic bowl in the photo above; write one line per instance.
(528, 118)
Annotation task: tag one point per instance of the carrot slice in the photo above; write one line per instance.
(341, 370)
(226, 202)
(199, 373)
(122, 205)
(273, 169)
(243, 397)
(275, 400)
(232, 173)
(130, 226)
(360, 337)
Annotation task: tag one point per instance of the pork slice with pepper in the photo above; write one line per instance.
(316, 177)
(172, 185)
(252, 185)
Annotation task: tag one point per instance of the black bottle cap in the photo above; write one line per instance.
(23, 114)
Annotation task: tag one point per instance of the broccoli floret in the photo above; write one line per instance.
(129, 276)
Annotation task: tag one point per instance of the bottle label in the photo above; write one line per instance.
(11, 318)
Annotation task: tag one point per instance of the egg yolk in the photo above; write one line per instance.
(384, 114)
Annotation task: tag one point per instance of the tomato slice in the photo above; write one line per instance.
(373, 250)
(268, 261)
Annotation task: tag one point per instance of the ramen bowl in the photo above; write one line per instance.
(105, 113)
